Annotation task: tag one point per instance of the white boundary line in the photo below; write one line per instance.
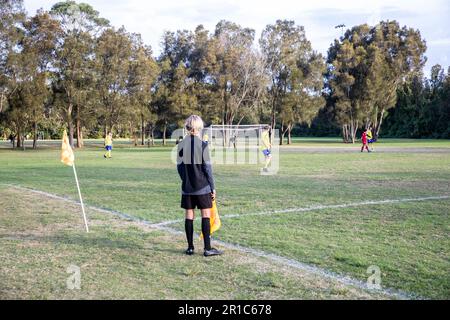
(334, 206)
(315, 208)
(346, 280)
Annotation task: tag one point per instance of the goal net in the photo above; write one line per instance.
(234, 136)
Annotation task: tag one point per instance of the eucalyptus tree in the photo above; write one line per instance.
(174, 97)
(368, 65)
(74, 76)
(237, 71)
(113, 58)
(343, 82)
(296, 74)
(143, 72)
(304, 99)
(39, 49)
(12, 18)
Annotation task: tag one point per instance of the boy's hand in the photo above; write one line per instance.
(213, 195)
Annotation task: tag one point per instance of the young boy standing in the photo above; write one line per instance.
(197, 189)
(108, 145)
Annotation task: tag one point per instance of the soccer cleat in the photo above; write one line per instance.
(266, 170)
(104, 156)
(189, 251)
(212, 252)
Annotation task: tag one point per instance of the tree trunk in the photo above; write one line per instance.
(34, 135)
(272, 125)
(378, 124)
(19, 138)
(282, 133)
(164, 134)
(344, 133)
(353, 129)
(289, 134)
(79, 131)
(110, 126)
(142, 130)
(71, 131)
(1, 102)
(70, 124)
(152, 136)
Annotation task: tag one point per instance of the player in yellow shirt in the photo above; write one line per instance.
(266, 145)
(370, 139)
(108, 146)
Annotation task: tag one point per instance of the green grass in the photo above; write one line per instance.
(408, 241)
(385, 142)
(40, 238)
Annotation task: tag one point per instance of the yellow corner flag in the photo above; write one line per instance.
(67, 156)
(214, 220)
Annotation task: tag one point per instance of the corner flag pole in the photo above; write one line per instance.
(81, 199)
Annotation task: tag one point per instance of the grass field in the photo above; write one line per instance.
(408, 240)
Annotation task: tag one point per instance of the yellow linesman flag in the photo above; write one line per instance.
(214, 220)
(67, 156)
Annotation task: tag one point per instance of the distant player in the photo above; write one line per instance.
(197, 188)
(370, 139)
(266, 147)
(108, 146)
(364, 141)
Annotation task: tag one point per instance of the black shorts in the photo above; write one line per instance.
(203, 201)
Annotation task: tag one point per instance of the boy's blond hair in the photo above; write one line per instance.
(194, 125)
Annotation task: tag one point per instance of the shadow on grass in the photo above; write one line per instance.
(78, 240)
(89, 241)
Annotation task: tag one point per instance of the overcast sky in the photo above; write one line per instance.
(319, 17)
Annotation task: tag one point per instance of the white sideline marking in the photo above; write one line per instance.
(332, 206)
(346, 280)
(313, 208)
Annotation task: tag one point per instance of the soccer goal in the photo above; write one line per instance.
(234, 136)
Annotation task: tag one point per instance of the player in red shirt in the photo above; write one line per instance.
(364, 141)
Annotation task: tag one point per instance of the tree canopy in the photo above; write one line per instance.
(69, 68)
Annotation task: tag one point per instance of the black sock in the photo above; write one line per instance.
(206, 230)
(189, 227)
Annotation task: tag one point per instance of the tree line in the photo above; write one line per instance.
(68, 68)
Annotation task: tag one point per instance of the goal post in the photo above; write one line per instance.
(233, 136)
